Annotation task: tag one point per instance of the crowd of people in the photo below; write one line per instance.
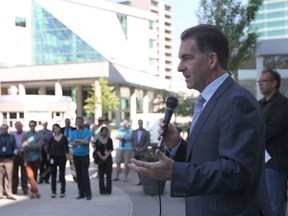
(41, 156)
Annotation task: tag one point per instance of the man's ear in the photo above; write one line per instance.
(274, 83)
(213, 60)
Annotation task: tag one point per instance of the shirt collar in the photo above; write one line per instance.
(212, 87)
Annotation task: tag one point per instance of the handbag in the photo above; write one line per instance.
(97, 159)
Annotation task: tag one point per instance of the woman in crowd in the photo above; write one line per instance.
(57, 150)
(103, 148)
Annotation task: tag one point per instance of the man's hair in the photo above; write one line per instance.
(275, 76)
(80, 118)
(34, 122)
(209, 39)
(56, 125)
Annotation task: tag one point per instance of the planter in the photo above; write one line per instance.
(150, 185)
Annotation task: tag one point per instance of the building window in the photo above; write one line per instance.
(21, 22)
(123, 21)
(152, 44)
(152, 25)
(32, 91)
(152, 61)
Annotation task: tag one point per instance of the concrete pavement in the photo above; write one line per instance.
(127, 199)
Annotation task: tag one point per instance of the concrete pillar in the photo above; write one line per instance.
(119, 110)
(58, 89)
(145, 103)
(259, 69)
(98, 107)
(21, 89)
(79, 103)
(43, 90)
(133, 103)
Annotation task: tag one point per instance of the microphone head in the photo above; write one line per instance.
(171, 102)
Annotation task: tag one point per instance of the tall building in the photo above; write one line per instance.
(160, 36)
(71, 44)
(272, 20)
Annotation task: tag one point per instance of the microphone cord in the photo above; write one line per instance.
(159, 198)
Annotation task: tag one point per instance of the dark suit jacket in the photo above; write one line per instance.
(144, 140)
(224, 157)
(63, 129)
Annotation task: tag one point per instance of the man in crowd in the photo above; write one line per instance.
(80, 140)
(124, 150)
(19, 161)
(32, 143)
(67, 131)
(8, 149)
(44, 165)
(140, 141)
(275, 109)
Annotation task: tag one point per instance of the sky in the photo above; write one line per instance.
(183, 17)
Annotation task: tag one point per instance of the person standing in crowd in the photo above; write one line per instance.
(44, 165)
(19, 161)
(66, 131)
(104, 148)
(222, 170)
(124, 150)
(80, 140)
(275, 109)
(32, 142)
(140, 141)
(95, 131)
(57, 150)
(8, 149)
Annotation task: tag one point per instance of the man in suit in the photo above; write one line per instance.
(222, 171)
(66, 131)
(140, 141)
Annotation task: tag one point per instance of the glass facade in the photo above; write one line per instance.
(54, 43)
(272, 19)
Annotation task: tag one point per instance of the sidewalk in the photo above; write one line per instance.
(127, 199)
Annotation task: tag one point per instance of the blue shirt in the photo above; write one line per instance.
(83, 149)
(125, 138)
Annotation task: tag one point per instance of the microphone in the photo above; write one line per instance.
(171, 104)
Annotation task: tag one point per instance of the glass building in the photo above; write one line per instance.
(54, 43)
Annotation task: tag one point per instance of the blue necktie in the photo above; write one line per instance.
(197, 111)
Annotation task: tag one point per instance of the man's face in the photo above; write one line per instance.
(67, 122)
(32, 126)
(194, 65)
(80, 123)
(140, 124)
(45, 124)
(126, 125)
(266, 84)
(18, 127)
(4, 129)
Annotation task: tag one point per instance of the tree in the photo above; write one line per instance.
(185, 105)
(234, 19)
(108, 100)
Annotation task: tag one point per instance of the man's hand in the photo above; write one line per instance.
(161, 169)
(172, 136)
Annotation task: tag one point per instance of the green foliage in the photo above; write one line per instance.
(234, 19)
(108, 100)
(185, 105)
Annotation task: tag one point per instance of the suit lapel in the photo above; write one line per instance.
(205, 114)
